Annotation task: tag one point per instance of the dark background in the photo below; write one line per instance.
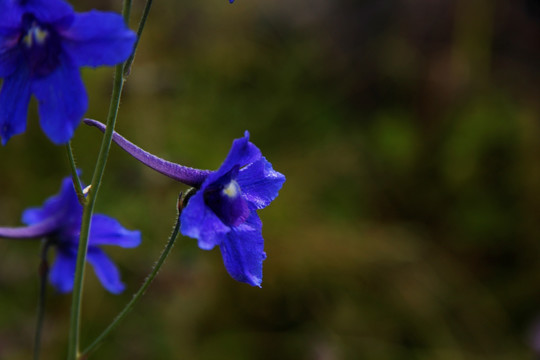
(409, 132)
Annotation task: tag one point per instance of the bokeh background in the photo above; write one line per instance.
(408, 228)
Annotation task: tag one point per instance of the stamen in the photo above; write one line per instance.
(40, 35)
(231, 190)
(35, 33)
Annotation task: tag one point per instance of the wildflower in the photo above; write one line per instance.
(42, 45)
(223, 211)
(59, 221)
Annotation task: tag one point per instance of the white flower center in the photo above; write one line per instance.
(231, 190)
(37, 34)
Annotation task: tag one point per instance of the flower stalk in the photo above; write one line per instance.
(43, 274)
(137, 296)
(118, 84)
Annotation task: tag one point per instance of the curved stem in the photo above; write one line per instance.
(139, 293)
(184, 174)
(43, 274)
(75, 175)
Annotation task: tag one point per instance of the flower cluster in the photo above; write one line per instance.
(43, 45)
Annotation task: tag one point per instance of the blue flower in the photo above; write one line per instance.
(42, 45)
(59, 220)
(223, 211)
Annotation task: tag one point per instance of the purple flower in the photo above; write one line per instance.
(42, 45)
(223, 211)
(59, 220)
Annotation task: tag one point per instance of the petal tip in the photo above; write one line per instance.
(254, 281)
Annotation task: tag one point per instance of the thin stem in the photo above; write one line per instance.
(75, 316)
(126, 11)
(73, 341)
(139, 293)
(75, 176)
(142, 23)
(43, 274)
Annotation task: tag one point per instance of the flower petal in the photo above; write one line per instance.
(199, 222)
(62, 101)
(98, 38)
(243, 253)
(48, 11)
(62, 273)
(242, 153)
(14, 99)
(65, 204)
(9, 51)
(107, 231)
(9, 59)
(260, 183)
(10, 15)
(105, 270)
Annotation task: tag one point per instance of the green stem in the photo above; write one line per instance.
(75, 175)
(139, 293)
(126, 10)
(75, 316)
(43, 274)
(74, 329)
(142, 23)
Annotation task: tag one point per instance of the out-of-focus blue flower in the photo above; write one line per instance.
(59, 220)
(223, 211)
(42, 45)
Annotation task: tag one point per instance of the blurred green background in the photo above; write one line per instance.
(409, 132)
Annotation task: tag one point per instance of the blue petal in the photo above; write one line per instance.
(14, 99)
(9, 51)
(199, 222)
(242, 153)
(62, 273)
(9, 59)
(260, 183)
(10, 14)
(107, 231)
(62, 101)
(243, 252)
(48, 11)
(105, 270)
(98, 38)
(64, 205)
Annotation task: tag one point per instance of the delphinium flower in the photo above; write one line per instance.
(59, 221)
(223, 210)
(42, 45)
